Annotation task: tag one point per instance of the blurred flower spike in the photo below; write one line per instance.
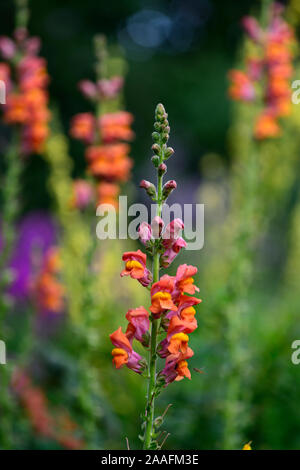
(47, 289)
(26, 80)
(171, 313)
(269, 68)
(106, 131)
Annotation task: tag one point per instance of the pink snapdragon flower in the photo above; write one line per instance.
(82, 194)
(145, 233)
(138, 319)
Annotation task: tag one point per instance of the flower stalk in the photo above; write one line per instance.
(160, 114)
(172, 310)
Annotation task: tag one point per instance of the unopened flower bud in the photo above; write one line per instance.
(162, 169)
(156, 148)
(157, 226)
(165, 137)
(155, 136)
(143, 364)
(145, 233)
(168, 153)
(155, 160)
(149, 187)
(168, 188)
(158, 422)
(160, 110)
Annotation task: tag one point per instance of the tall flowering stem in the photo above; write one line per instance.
(172, 310)
(105, 132)
(26, 114)
(160, 137)
(263, 89)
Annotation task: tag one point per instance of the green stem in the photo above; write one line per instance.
(9, 214)
(154, 331)
(22, 13)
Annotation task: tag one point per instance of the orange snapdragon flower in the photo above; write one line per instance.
(178, 343)
(161, 296)
(16, 111)
(107, 193)
(47, 288)
(116, 126)
(83, 127)
(266, 126)
(271, 69)
(182, 370)
(135, 267)
(241, 86)
(185, 280)
(109, 162)
(123, 354)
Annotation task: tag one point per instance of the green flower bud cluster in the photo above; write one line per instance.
(160, 138)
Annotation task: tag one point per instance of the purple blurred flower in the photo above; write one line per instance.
(36, 234)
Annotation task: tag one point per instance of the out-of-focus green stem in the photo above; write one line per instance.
(10, 208)
(9, 213)
(22, 13)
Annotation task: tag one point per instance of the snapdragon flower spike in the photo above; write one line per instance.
(105, 133)
(172, 301)
(26, 79)
(135, 267)
(268, 71)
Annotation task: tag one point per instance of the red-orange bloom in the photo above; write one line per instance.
(110, 162)
(161, 295)
(185, 280)
(116, 126)
(241, 87)
(107, 193)
(123, 352)
(266, 126)
(16, 110)
(178, 343)
(135, 267)
(182, 370)
(47, 289)
(27, 104)
(83, 127)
